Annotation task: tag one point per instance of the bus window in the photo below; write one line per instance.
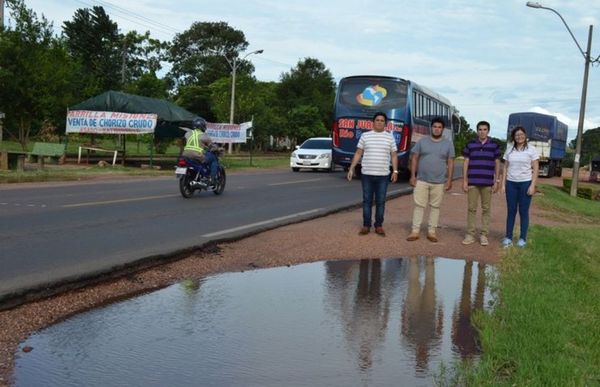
(372, 93)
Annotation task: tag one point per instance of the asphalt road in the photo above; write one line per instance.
(64, 232)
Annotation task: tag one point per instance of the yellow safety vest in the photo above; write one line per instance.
(193, 143)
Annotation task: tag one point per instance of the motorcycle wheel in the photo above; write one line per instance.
(221, 179)
(185, 187)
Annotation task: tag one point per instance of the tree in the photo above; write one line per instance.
(36, 74)
(93, 39)
(149, 85)
(255, 101)
(196, 99)
(465, 135)
(304, 121)
(590, 144)
(310, 83)
(198, 54)
(142, 55)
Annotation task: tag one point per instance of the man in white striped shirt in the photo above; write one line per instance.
(377, 149)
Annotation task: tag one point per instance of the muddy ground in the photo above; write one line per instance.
(329, 238)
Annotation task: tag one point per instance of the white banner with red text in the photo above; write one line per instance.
(226, 133)
(88, 121)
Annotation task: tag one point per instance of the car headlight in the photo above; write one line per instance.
(294, 154)
(324, 156)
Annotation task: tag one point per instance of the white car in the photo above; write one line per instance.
(314, 153)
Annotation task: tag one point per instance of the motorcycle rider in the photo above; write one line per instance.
(198, 146)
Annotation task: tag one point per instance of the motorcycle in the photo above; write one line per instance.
(194, 175)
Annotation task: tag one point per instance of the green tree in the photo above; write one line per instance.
(93, 39)
(305, 120)
(254, 101)
(196, 99)
(198, 54)
(310, 83)
(142, 55)
(149, 85)
(464, 135)
(36, 73)
(590, 144)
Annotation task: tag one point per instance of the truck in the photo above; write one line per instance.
(547, 134)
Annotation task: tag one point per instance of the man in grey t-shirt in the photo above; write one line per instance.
(431, 168)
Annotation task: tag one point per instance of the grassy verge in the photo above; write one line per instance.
(53, 172)
(544, 328)
(234, 163)
(74, 173)
(559, 202)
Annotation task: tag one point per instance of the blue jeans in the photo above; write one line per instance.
(374, 186)
(211, 160)
(517, 198)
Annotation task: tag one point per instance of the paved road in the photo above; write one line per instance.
(52, 233)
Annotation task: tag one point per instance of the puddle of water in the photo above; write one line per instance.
(337, 323)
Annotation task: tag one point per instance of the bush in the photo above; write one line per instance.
(583, 191)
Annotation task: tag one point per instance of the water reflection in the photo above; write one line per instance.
(464, 336)
(422, 318)
(369, 322)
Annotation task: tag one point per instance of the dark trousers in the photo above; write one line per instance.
(517, 199)
(374, 187)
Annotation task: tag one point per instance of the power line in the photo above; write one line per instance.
(128, 19)
(137, 16)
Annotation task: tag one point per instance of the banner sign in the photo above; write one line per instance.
(226, 133)
(88, 121)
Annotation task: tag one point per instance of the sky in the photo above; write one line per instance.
(489, 57)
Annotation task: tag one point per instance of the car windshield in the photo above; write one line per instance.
(316, 144)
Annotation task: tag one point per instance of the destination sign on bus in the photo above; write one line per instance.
(346, 124)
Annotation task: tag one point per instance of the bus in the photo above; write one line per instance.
(408, 106)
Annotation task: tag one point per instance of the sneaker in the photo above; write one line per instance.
(413, 236)
(364, 230)
(521, 243)
(379, 231)
(483, 240)
(468, 240)
(506, 243)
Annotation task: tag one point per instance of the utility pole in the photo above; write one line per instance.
(576, 161)
(1, 13)
(588, 59)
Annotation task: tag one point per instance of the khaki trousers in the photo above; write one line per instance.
(475, 195)
(424, 194)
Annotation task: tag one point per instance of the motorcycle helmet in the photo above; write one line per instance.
(199, 123)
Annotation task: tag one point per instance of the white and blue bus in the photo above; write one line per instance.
(408, 106)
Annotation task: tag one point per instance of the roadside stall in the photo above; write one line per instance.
(120, 113)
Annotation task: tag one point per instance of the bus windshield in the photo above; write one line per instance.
(375, 93)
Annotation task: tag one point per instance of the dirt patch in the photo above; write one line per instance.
(329, 238)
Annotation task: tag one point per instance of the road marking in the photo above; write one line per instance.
(212, 234)
(294, 182)
(116, 201)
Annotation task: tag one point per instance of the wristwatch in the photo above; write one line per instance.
(395, 172)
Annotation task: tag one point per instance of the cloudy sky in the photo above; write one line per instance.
(490, 58)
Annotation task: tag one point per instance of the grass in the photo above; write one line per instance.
(561, 204)
(69, 172)
(257, 162)
(58, 173)
(544, 330)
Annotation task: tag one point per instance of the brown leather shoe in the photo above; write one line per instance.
(432, 237)
(364, 231)
(379, 231)
(413, 236)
